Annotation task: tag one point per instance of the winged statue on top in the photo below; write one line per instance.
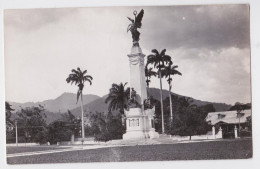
(135, 23)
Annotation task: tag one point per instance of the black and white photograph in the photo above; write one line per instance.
(127, 84)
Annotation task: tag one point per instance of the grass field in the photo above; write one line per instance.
(14, 149)
(227, 149)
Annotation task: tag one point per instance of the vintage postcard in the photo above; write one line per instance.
(136, 83)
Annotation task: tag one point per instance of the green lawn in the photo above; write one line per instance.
(235, 149)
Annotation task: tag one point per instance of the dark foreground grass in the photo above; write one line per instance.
(235, 149)
(11, 150)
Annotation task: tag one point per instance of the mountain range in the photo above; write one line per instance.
(64, 102)
(93, 103)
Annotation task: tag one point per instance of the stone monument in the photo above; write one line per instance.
(139, 118)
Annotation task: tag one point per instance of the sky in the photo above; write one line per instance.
(210, 44)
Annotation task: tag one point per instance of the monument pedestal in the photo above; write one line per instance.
(140, 124)
(134, 124)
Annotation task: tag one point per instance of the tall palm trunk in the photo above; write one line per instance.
(122, 116)
(147, 88)
(161, 100)
(170, 96)
(82, 119)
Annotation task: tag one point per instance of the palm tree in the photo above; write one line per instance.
(159, 60)
(118, 97)
(167, 72)
(79, 78)
(148, 74)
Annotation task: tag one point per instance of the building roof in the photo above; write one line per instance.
(229, 117)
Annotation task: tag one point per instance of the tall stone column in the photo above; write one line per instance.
(135, 117)
(138, 120)
(137, 74)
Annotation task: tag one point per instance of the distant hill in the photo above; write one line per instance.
(93, 103)
(99, 105)
(60, 104)
(218, 106)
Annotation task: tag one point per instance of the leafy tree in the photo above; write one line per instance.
(72, 122)
(8, 113)
(31, 121)
(41, 137)
(9, 123)
(63, 129)
(159, 60)
(249, 122)
(205, 109)
(118, 97)
(59, 131)
(188, 119)
(167, 72)
(240, 106)
(114, 126)
(79, 78)
(106, 127)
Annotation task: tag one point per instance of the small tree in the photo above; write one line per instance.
(106, 127)
(31, 121)
(9, 123)
(118, 97)
(249, 122)
(59, 131)
(188, 118)
(8, 112)
(72, 122)
(193, 123)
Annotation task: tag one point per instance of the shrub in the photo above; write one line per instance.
(228, 135)
(103, 136)
(245, 134)
(57, 132)
(41, 137)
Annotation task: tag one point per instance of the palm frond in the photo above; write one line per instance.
(90, 82)
(155, 51)
(88, 77)
(84, 72)
(167, 59)
(162, 53)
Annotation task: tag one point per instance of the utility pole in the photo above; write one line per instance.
(16, 133)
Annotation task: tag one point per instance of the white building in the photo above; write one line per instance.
(229, 121)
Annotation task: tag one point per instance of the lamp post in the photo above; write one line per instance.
(16, 133)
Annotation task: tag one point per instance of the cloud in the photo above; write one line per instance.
(211, 27)
(210, 44)
(222, 76)
(34, 19)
